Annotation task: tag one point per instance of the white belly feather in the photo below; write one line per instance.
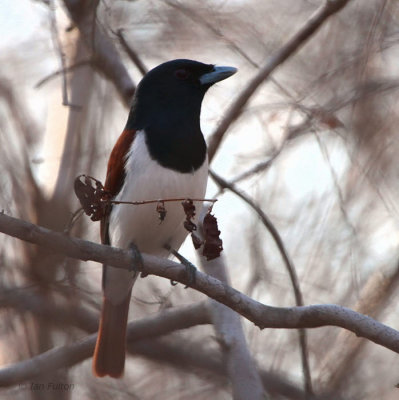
(140, 224)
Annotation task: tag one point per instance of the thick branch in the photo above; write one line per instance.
(258, 313)
(329, 8)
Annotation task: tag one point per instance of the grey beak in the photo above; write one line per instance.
(218, 74)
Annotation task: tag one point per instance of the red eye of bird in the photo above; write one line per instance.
(182, 74)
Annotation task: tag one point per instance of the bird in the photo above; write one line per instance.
(161, 154)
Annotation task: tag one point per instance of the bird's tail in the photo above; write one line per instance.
(109, 354)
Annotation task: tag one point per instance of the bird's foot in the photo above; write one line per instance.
(191, 270)
(137, 259)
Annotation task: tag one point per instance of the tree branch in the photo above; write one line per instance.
(263, 316)
(134, 57)
(69, 355)
(329, 8)
(105, 56)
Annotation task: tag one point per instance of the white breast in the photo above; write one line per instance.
(139, 224)
(147, 180)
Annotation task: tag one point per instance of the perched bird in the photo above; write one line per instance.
(160, 154)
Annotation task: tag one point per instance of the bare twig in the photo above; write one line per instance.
(134, 57)
(260, 167)
(142, 202)
(260, 314)
(329, 8)
(61, 54)
(74, 217)
(190, 13)
(62, 71)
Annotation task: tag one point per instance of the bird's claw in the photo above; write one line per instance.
(138, 263)
(191, 270)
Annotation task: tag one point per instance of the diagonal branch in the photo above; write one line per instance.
(134, 57)
(329, 8)
(272, 230)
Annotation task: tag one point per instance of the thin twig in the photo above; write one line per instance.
(138, 203)
(74, 217)
(61, 54)
(195, 17)
(61, 71)
(256, 169)
(134, 57)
